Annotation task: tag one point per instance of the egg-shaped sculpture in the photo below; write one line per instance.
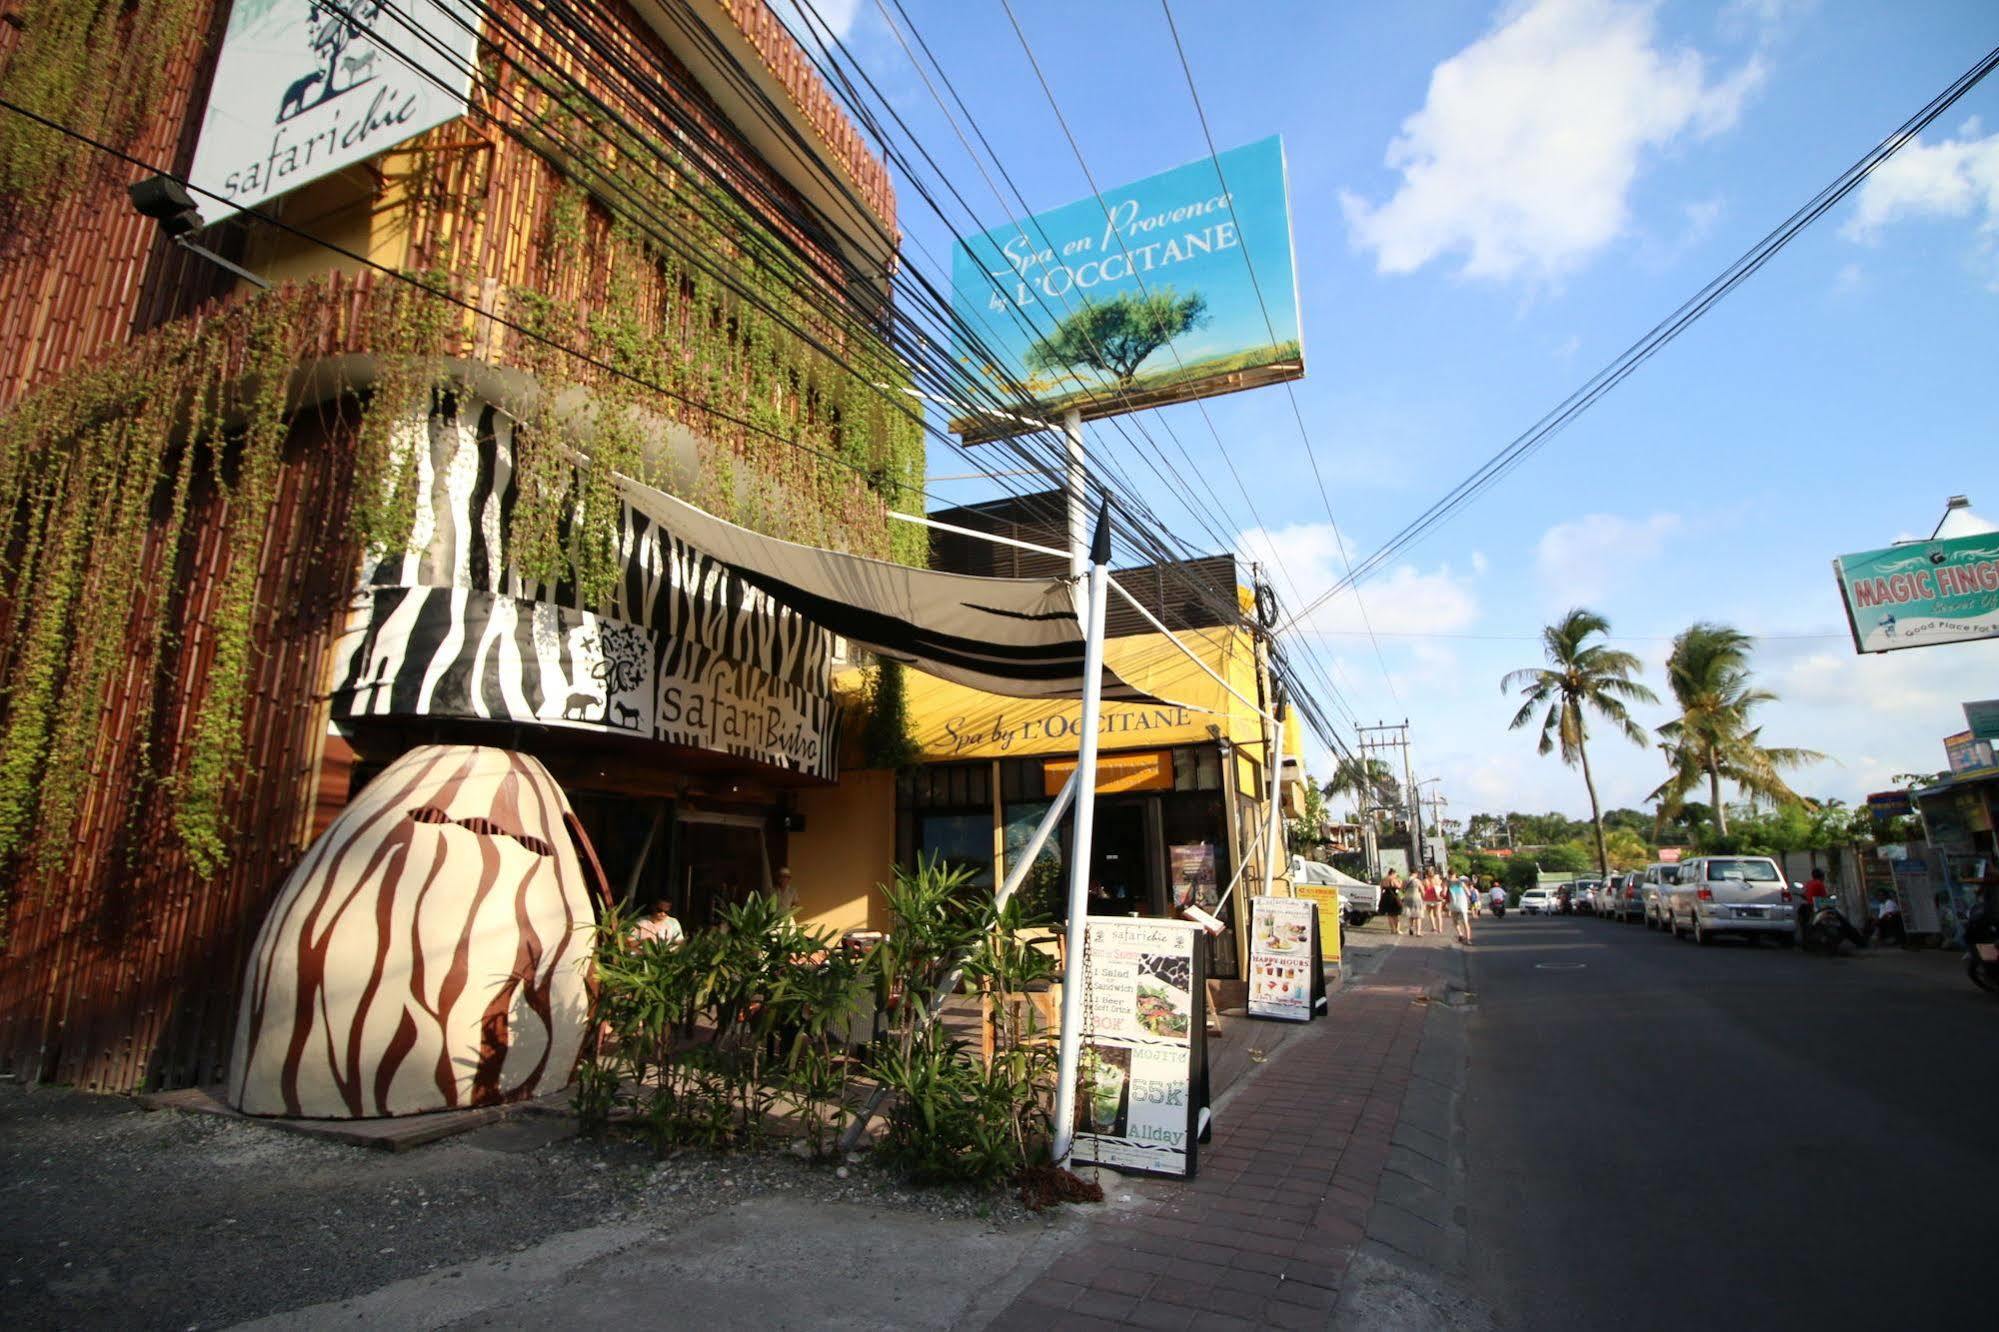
(430, 952)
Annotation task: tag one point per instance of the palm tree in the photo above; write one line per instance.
(1580, 677)
(1712, 737)
(1370, 780)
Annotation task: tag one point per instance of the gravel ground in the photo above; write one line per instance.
(114, 1216)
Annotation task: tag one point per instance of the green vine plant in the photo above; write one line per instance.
(97, 66)
(99, 471)
(98, 474)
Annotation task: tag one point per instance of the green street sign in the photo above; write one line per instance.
(1921, 593)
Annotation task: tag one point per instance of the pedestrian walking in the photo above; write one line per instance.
(1433, 900)
(1391, 901)
(1461, 899)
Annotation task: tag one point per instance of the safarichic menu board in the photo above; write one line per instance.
(1142, 1082)
(1287, 978)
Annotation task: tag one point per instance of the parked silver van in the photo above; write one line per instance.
(1746, 896)
(1652, 885)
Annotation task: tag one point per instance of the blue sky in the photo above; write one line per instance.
(1489, 203)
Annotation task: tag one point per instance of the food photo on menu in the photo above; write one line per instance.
(1106, 1071)
(1165, 1004)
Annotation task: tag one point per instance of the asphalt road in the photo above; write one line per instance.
(1669, 1136)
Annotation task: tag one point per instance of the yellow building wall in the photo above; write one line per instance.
(846, 851)
(952, 722)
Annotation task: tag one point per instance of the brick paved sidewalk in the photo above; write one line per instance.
(1263, 1235)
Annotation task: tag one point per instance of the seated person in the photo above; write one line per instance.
(1887, 921)
(657, 925)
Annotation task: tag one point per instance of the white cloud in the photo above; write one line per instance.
(1957, 178)
(1525, 151)
(1701, 217)
(837, 15)
(1583, 560)
(1405, 600)
(1847, 280)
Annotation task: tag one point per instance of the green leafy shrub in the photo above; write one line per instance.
(700, 1041)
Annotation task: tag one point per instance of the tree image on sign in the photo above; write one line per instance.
(1116, 336)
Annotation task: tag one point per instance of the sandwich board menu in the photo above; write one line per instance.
(1325, 896)
(1142, 1081)
(1287, 976)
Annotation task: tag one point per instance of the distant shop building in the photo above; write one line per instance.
(1182, 787)
(1942, 882)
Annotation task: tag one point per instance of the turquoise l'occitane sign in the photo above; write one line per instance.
(1178, 286)
(1922, 593)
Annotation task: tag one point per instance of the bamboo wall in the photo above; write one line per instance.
(122, 970)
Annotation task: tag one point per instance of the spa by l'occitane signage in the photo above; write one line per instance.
(949, 721)
(1054, 728)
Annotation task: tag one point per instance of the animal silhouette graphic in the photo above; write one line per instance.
(624, 712)
(294, 102)
(578, 707)
(354, 64)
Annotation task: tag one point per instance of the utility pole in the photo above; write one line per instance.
(1443, 848)
(1379, 740)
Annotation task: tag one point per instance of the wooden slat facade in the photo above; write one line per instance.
(121, 971)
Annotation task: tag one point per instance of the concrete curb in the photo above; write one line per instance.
(1410, 1269)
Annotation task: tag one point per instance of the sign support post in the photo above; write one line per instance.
(1275, 845)
(1072, 482)
(1070, 1048)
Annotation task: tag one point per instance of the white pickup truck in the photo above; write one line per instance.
(1359, 902)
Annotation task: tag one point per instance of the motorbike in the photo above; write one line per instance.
(1981, 946)
(1825, 926)
(1498, 910)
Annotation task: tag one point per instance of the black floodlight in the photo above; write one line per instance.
(168, 203)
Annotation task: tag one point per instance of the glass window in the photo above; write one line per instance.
(1744, 871)
(951, 786)
(1197, 768)
(1020, 779)
(961, 841)
(1041, 891)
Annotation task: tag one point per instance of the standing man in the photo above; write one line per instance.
(1461, 909)
(1815, 889)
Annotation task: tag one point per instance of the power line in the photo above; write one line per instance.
(1662, 333)
(852, 90)
(1269, 327)
(1076, 148)
(1536, 638)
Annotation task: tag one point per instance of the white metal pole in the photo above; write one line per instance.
(1072, 479)
(1275, 846)
(1079, 861)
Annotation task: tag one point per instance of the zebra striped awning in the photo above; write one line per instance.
(1019, 637)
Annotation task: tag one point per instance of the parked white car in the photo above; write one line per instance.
(1359, 902)
(1538, 902)
(1653, 885)
(1746, 896)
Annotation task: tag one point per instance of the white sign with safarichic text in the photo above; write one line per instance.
(1142, 1083)
(306, 87)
